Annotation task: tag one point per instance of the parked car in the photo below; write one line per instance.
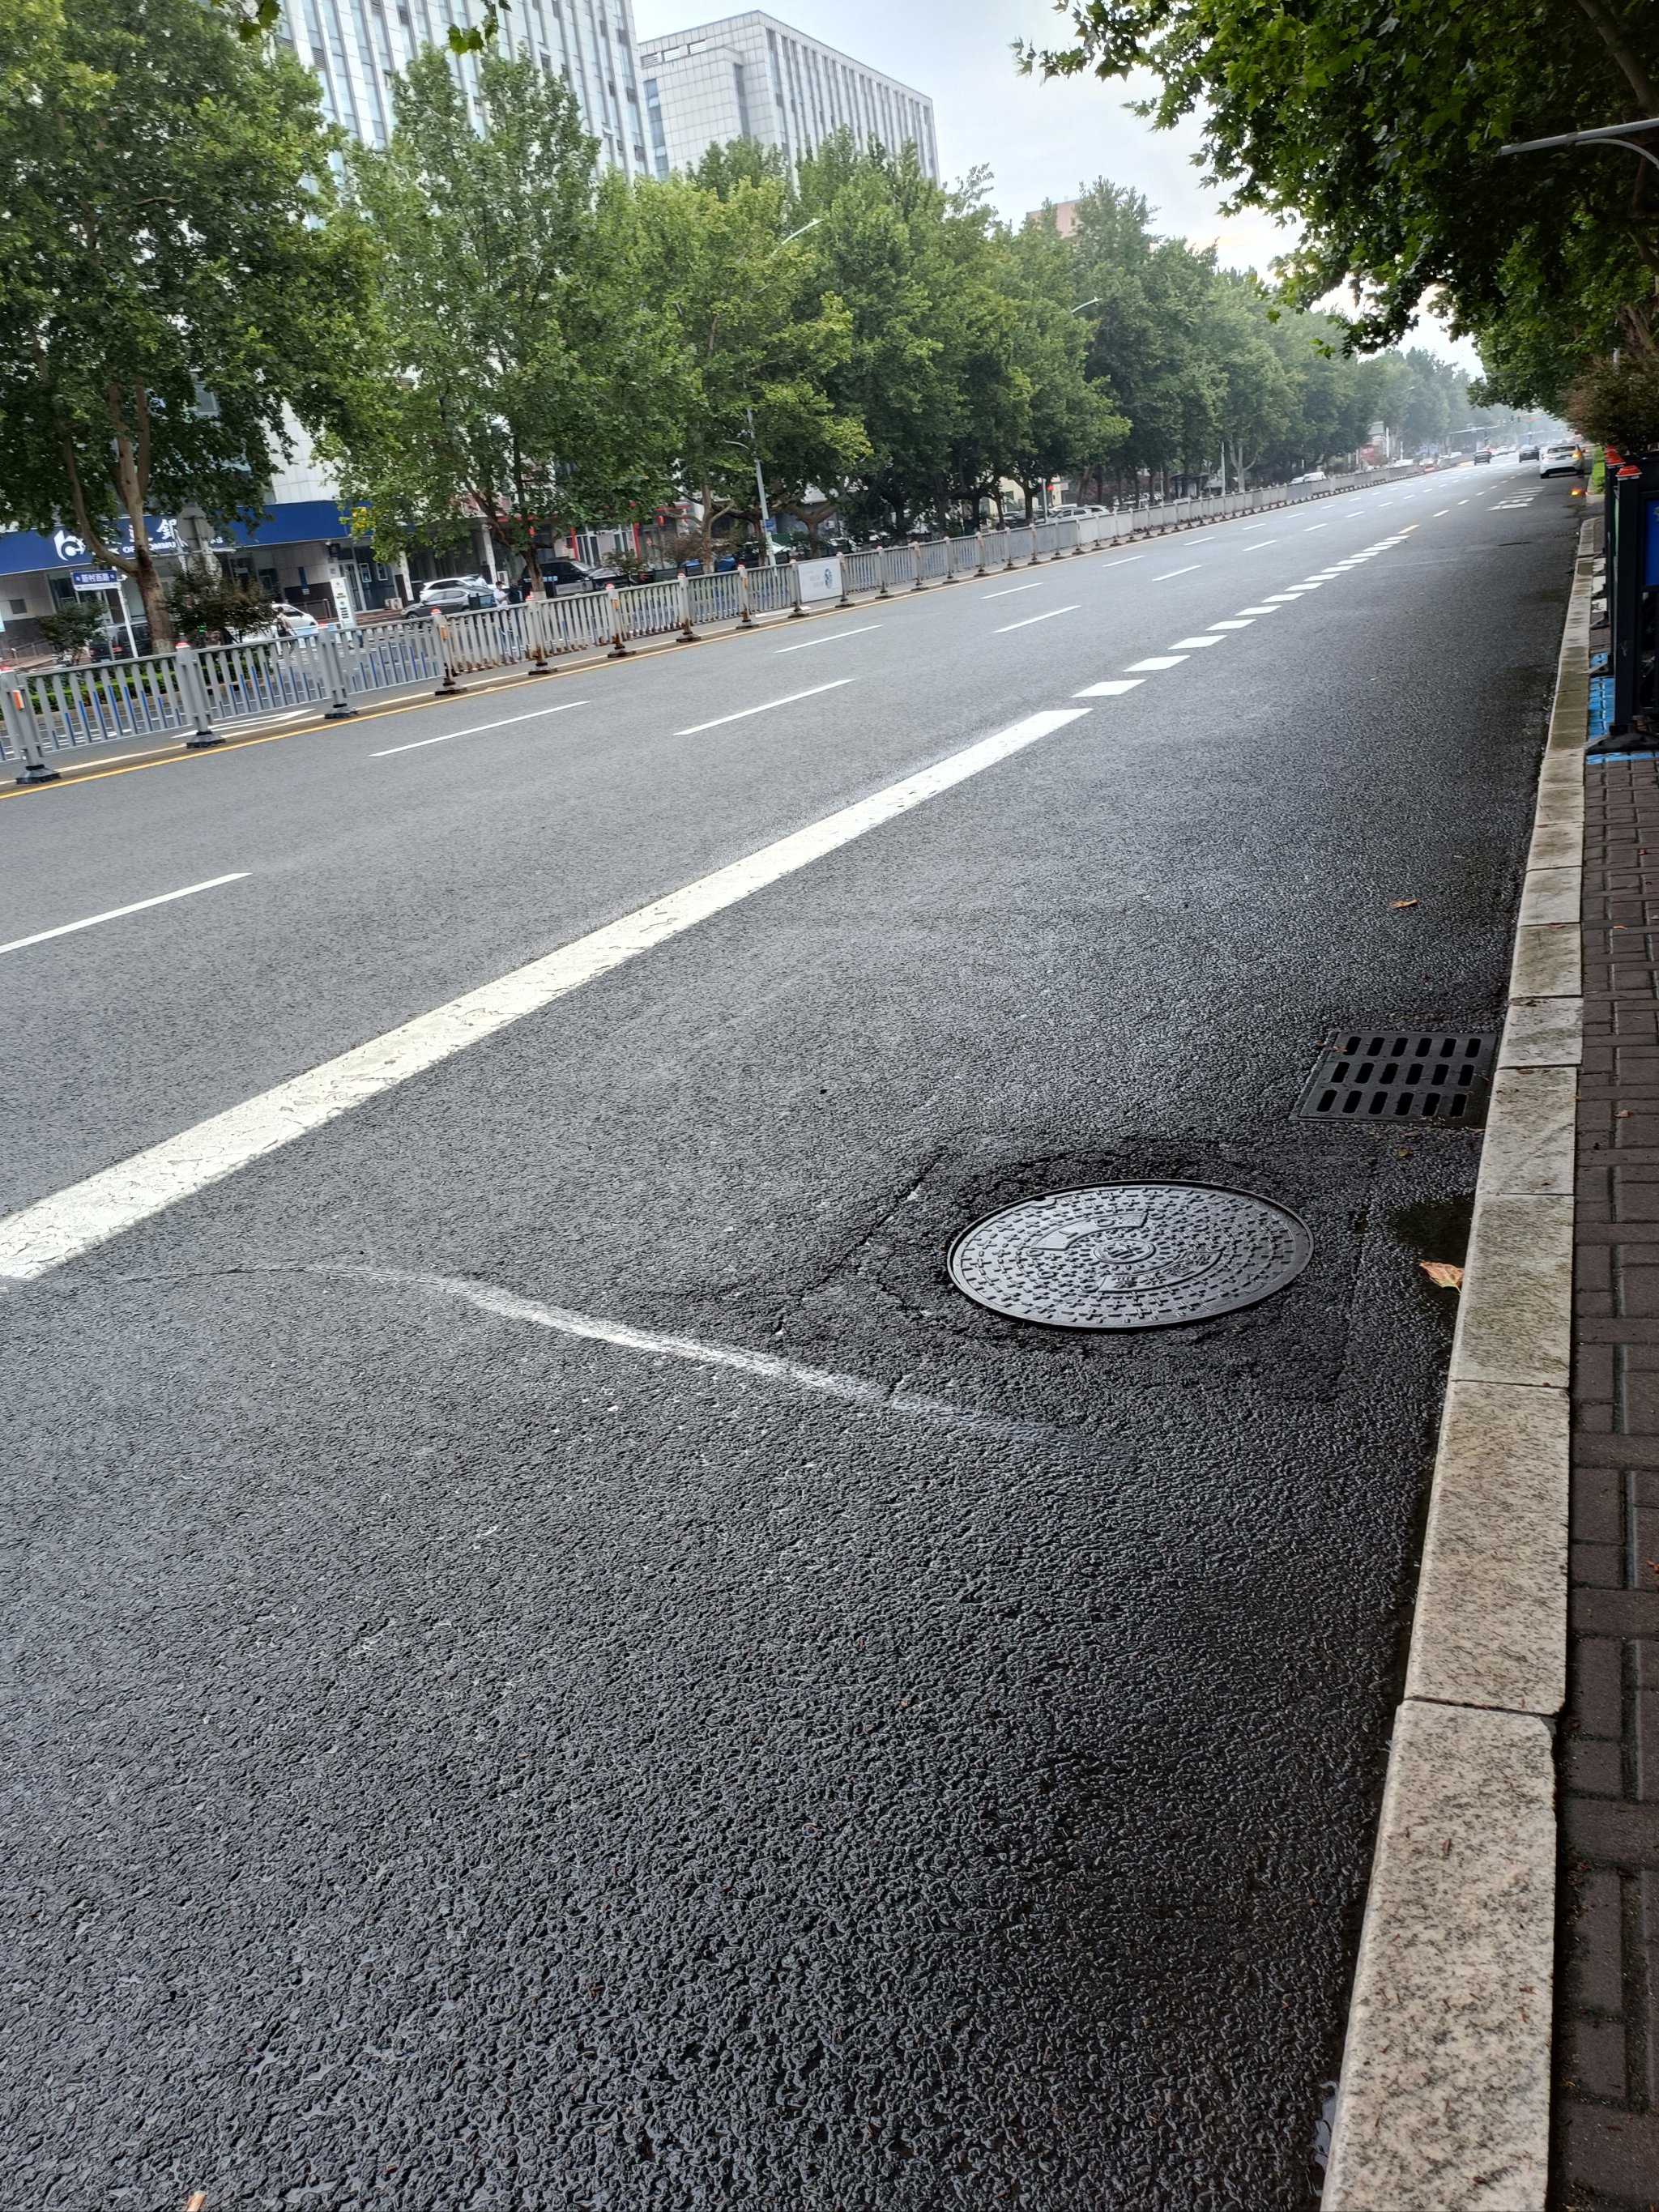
(285, 621)
(1313, 475)
(562, 575)
(456, 595)
(1528, 454)
(1560, 461)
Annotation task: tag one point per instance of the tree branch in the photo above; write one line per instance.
(1611, 32)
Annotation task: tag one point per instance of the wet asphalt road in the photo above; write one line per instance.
(454, 1764)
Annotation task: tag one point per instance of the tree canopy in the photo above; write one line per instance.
(175, 278)
(1377, 125)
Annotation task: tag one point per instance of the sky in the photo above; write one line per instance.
(1039, 141)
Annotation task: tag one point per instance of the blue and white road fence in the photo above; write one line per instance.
(199, 694)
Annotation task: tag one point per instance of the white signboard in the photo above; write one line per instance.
(819, 579)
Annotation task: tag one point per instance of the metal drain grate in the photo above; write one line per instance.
(1402, 1075)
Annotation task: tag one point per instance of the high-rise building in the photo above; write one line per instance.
(753, 76)
(356, 45)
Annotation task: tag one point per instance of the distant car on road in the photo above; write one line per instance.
(1528, 454)
(1560, 461)
(456, 595)
(1313, 475)
(1482, 453)
(562, 575)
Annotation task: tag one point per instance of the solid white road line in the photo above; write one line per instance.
(115, 913)
(1190, 644)
(1112, 690)
(1168, 573)
(1009, 591)
(477, 729)
(743, 713)
(832, 637)
(1047, 617)
(58, 1229)
(1159, 661)
(763, 1366)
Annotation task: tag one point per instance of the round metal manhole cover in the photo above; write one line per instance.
(1130, 1255)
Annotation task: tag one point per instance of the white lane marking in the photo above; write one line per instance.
(1159, 661)
(765, 1366)
(1048, 617)
(1125, 562)
(1112, 690)
(1237, 622)
(1011, 589)
(1168, 573)
(766, 708)
(1190, 644)
(833, 637)
(1256, 545)
(1316, 525)
(58, 1229)
(476, 728)
(1463, 502)
(1438, 512)
(1283, 598)
(1253, 611)
(115, 913)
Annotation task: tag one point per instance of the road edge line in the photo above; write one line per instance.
(1444, 2095)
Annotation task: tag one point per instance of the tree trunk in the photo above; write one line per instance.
(131, 473)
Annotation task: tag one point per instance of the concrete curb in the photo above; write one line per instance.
(1444, 2100)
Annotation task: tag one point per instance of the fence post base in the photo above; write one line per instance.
(797, 612)
(203, 741)
(683, 593)
(193, 691)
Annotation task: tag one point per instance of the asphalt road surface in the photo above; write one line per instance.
(556, 1663)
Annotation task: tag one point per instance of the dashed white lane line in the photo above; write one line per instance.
(1239, 622)
(1125, 562)
(1047, 616)
(1168, 573)
(1112, 689)
(1009, 593)
(832, 637)
(477, 729)
(1253, 611)
(1316, 525)
(1284, 599)
(115, 913)
(1192, 644)
(766, 707)
(88, 1214)
(1438, 512)
(1158, 660)
(1256, 545)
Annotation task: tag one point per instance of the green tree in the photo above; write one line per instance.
(531, 379)
(1377, 125)
(174, 278)
(758, 350)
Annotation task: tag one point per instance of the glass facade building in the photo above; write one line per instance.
(753, 76)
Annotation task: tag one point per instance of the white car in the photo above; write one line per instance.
(455, 595)
(1560, 460)
(285, 621)
(1314, 475)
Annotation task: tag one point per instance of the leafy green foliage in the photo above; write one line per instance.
(70, 626)
(1617, 404)
(174, 278)
(209, 608)
(1378, 124)
(533, 381)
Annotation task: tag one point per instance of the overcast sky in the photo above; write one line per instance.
(1039, 141)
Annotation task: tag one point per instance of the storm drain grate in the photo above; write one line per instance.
(1402, 1075)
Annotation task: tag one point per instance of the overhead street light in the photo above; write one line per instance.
(1609, 134)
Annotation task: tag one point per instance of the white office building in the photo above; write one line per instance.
(356, 45)
(753, 76)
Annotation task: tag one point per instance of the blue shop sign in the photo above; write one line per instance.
(91, 579)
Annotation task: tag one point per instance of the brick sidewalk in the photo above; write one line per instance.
(1607, 2102)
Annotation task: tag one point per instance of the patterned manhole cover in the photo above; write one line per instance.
(1130, 1255)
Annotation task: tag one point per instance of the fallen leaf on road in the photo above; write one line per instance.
(1398, 906)
(1444, 1273)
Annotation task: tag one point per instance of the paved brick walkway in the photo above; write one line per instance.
(1606, 2147)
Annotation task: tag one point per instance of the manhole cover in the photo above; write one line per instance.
(1130, 1255)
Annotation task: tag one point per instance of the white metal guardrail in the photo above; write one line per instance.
(196, 693)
